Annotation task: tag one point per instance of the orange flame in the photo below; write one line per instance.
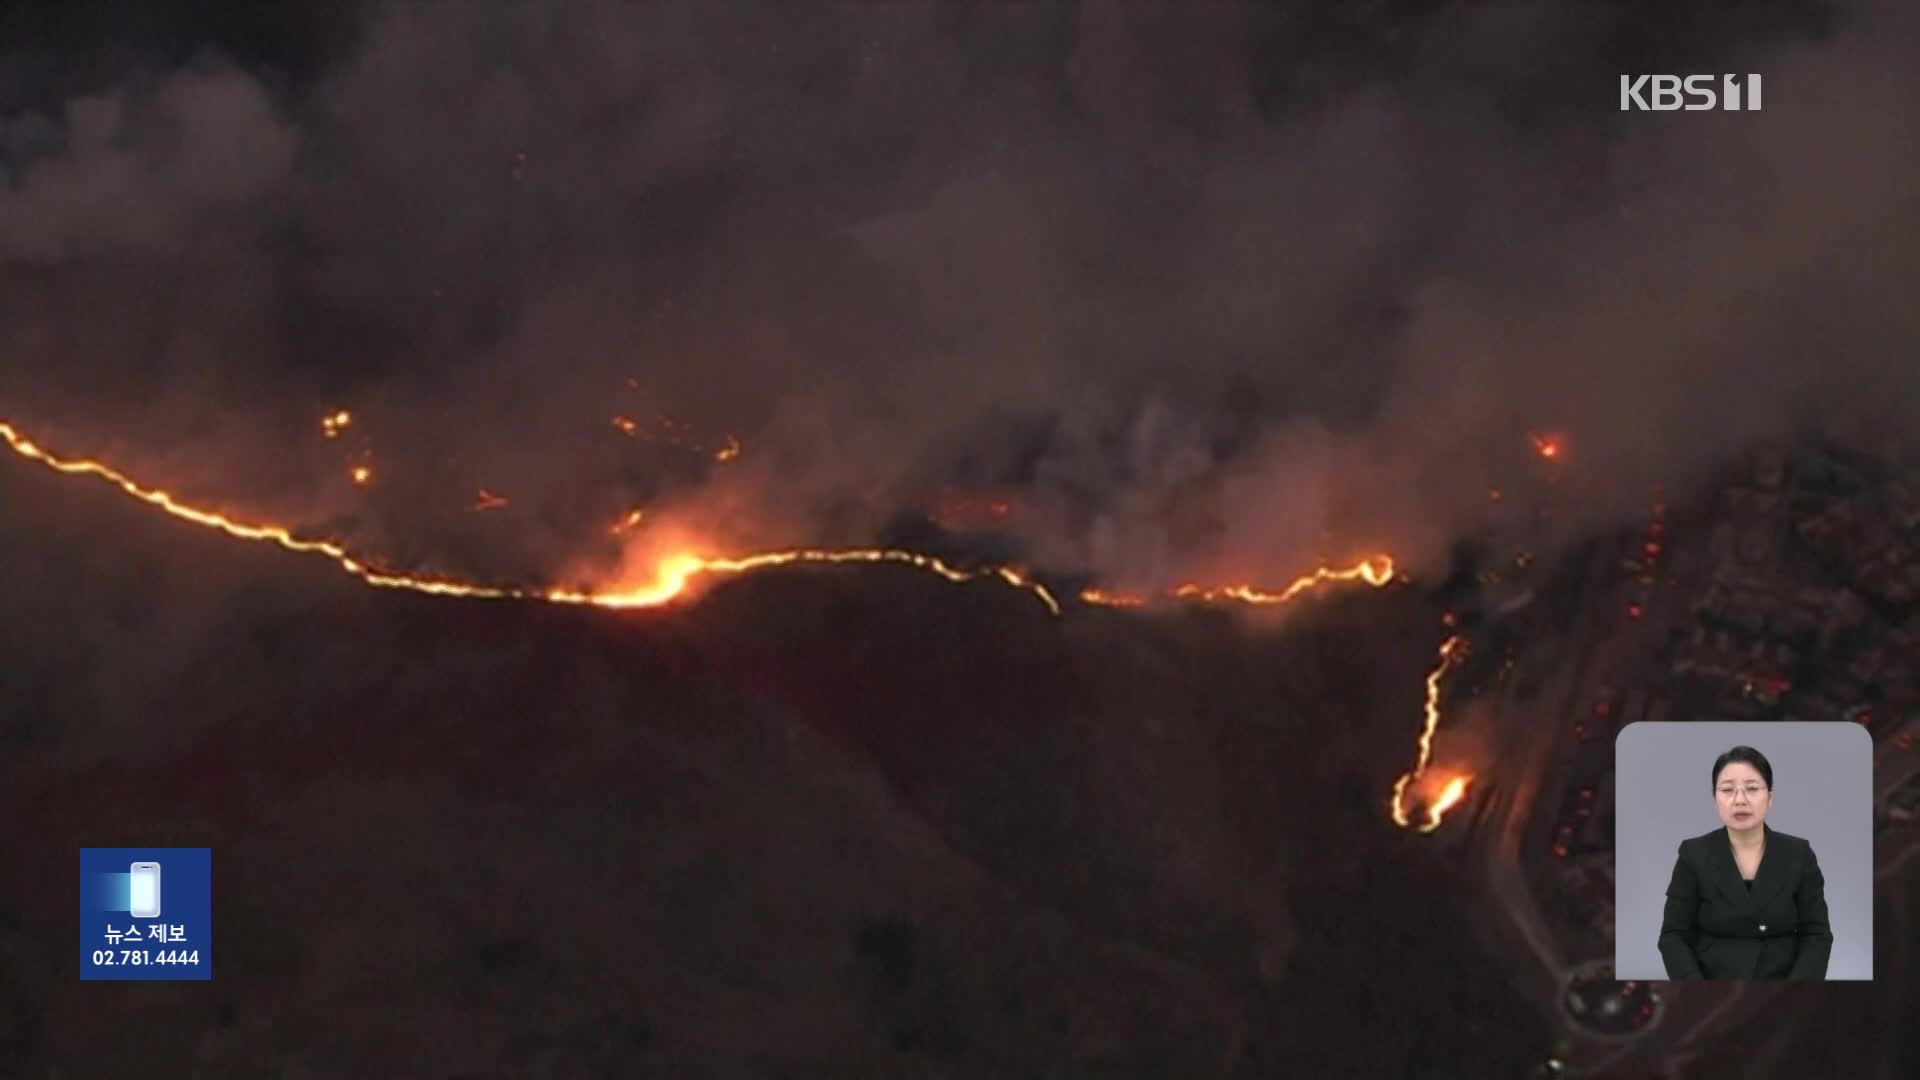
(1452, 651)
(673, 573)
(671, 576)
(1448, 798)
(1376, 571)
(1103, 598)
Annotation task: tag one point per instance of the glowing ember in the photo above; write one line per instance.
(331, 426)
(970, 511)
(487, 500)
(670, 579)
(668, 431)
(1452, 651)
(362, 475)
(631, 520)
(1549, 447)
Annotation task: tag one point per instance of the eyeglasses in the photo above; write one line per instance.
(1753, 791)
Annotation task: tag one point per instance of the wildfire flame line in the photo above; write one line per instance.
(674, 573)
(1452, 651)
(1103, 598)
(671, 577)
(1376, 571)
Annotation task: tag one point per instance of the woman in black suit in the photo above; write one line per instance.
(1745, 902)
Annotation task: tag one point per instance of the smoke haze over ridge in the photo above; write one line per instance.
(1203, 326)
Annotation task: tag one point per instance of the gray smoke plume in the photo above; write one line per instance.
(1206, 307)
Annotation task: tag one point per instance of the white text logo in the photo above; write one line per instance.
(1664, 93)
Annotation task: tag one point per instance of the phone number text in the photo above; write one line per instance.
(137, 957)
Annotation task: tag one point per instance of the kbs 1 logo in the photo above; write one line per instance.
(1663, 93)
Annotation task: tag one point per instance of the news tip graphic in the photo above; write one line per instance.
(146, 913)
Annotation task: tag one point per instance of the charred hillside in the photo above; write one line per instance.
(853, 819)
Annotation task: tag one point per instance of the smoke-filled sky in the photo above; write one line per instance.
(1213, 290)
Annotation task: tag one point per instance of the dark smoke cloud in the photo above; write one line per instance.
(1087, 252)
(132, 178)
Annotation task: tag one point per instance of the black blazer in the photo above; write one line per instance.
(1715, 928)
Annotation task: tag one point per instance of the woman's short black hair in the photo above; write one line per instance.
(1747, 754)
